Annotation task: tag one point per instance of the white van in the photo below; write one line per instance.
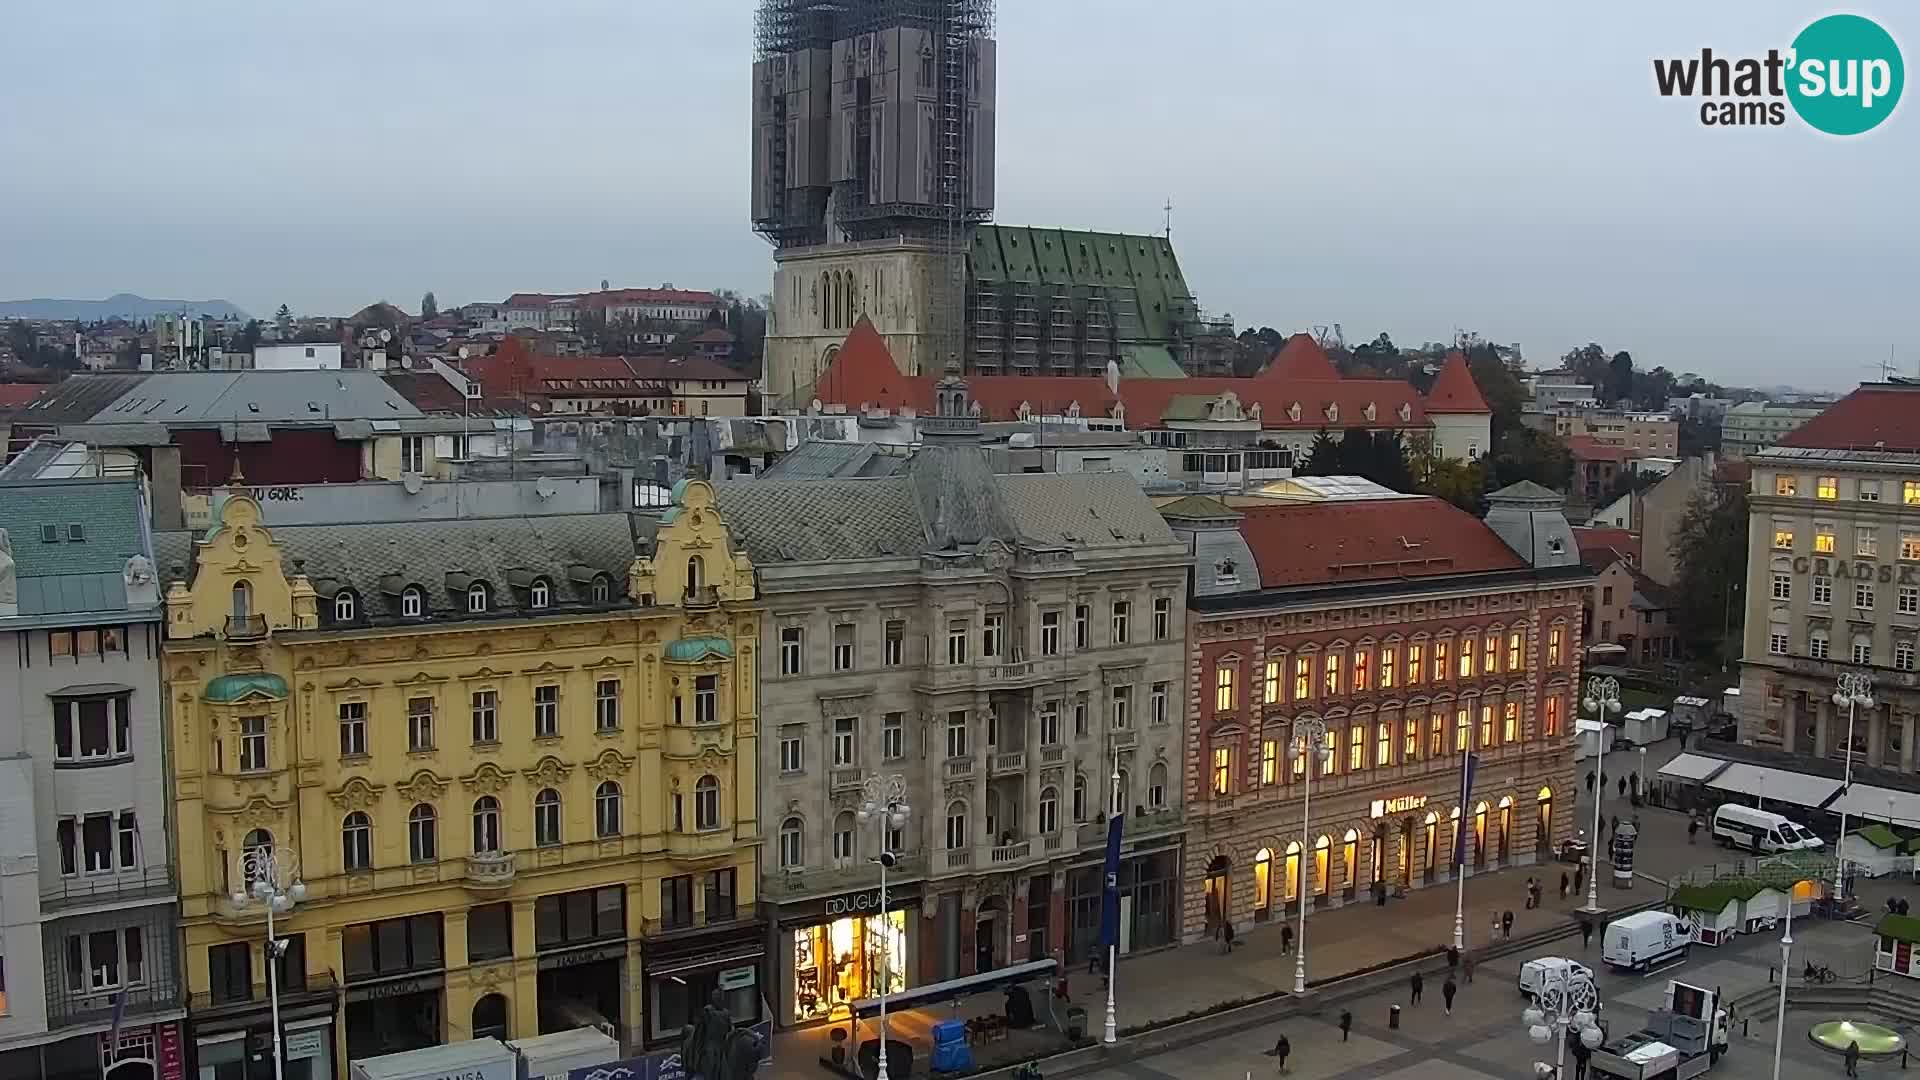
(1760, 831)
(1645, 939)
(1548, 971)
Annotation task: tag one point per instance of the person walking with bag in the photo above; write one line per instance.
(1447, 990)
(1416, 984)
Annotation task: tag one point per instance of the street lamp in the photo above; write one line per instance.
(883, 799)
(270, 877)
(1110, 1034)
(1568, 1000)
(1310, 742)
(1854, 690)
(1786, 953)
(1603, 697)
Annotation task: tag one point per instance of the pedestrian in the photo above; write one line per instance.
(1579, 877)
(1533, 892)
(1346, 1023)
(1466, 965)
(1447, 990)
(1416, 984)
(1506, 924)
(1589, 782)
(1226, 936)
(1380, 894)
(1693, 828)
(1563, 884)
(1280, 1050)
(1622, 785)
(1453, 958)
(1586, 935)
(1853, 1058)
(1286, 938)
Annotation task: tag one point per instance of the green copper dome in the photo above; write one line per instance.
(231, 688)
(694, 650)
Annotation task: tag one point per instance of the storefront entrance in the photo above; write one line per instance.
(990, 925)
(389, 1018)
(1149, 903)
(838, 963)
(581, 988)
(1219, 890)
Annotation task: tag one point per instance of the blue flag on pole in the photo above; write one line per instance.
(1110, 896)
(1466, 793)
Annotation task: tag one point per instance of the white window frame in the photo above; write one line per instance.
(546, 711)
(846, 741)
(793, 758)
(845, 646)
(606, 705)
(353, 729)
(256, 753)
(893, 736)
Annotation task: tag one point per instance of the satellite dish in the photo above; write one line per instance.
(413, 483)
(463, 352)
(385, 335)
(543, 487)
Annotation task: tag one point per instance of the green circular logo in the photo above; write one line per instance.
(1846, 75)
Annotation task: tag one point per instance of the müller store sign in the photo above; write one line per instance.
(1858, 571)
(1399, 805)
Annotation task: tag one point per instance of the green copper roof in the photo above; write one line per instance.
(1899, 927)
(694, 650)
(1878, 835)
(231, 688)
(1143, 263)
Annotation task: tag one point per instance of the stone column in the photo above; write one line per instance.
(459, 993)
(523, 1004)
(1057, 928)
(1876, 719)
(1905, 720)
(1823, 734)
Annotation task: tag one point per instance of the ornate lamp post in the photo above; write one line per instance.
(1310, 742)
(1569, 1000)
(1854, 690)
(883, 799)
(270, 877)
(1603, 698)
(1110, 1033)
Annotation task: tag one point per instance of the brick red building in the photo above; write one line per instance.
(1412, 630)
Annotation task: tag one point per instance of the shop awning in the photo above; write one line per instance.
(1693, 767)
(1870, 802)
(1775, 785)
(957, 988)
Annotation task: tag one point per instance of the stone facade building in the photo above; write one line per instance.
(1833, 580)
(1412, 632)
(1002, 644)
(87, 889)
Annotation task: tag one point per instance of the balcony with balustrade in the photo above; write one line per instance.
(994, 673)
(490, 870)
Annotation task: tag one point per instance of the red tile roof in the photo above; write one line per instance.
(1600, 547)
(1301, 358)
(863, 374)
(1454, 390)
(1332, 543)
(1876, 416)
(14, 395)
(515, 372)
(1588, 448)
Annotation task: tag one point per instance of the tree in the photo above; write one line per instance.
(250, 335)
(284, 316)
(1323, 458)
(1523, 453)
(429, 307)
(1462, 483)
(1620, 377)
(1500, 386)
(1710, 556)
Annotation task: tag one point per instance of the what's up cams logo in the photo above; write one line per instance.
(1842, 75)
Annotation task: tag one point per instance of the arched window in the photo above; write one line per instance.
(1543, 823)
(696, 571)
(422, 836)
(792, 850)
(255, 852)
(1049, 810)
(540, 595)
(486, 825)
(606, 809)
(490, 1017)
(546, 818)
(1350, 860)
(1157, 786)
(956, 825)
(843, 837)
(412, 602)
(242, 601)
(477, 597)
(1453, 837)
(356, 842)
(1262, 884)
(1079, 797)
(1322, 853)
(1433, 841)
(706, 803)
(602, 589)
(345, 609)
(1480, 833)
(1293, 871)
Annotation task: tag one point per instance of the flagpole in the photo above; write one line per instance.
(1460, 855)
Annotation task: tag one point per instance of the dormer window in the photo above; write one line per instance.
(345, 607)
(602, 590)
(476, 598)
(1226, 573)
(412, 603)
(539, 596)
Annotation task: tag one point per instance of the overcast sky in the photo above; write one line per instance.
(1504, 167)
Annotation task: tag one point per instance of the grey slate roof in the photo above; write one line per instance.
(257, 397)
(818, 460)
(71, 576)
(946, 497)
(370, 558)
(77, 399)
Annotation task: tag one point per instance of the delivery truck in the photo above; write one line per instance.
(1644, 940)
(1681, 1040)
(478, 1059)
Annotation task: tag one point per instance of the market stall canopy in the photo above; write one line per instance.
(1775, 785)
(1870, 802)
(1693, 767)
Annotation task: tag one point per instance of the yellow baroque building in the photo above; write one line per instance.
(511, 761)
